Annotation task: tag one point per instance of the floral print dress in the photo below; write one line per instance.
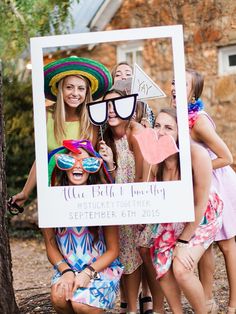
(129, 255)
(165, 235)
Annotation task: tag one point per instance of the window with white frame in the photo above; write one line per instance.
(131, 53)
(227, 60)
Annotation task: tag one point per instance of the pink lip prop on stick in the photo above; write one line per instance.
(154, 149)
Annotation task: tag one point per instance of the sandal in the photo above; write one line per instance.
(231, 310)
(212, 307)
(143, 300)
(123, 307)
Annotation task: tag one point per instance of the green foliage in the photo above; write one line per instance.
(21, 20)
(24, 233)
(19, 132)
(24, 19)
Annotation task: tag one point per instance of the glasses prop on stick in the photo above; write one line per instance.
(124, 108)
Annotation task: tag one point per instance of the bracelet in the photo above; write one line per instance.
(89, 275)
(67, 270)
(182, 241)
(94, 274)
(59, 263)
(179, 244)
(90, 268)
(110, 170)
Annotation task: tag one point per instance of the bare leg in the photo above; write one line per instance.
(123, 299)
(145, 297)
(59, 303)
(172, 292)
(131, 287)
(228, 248)
(157, 293)
(145, 288)
(206, 269)
(189, 283)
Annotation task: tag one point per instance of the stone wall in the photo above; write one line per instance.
(208, 25)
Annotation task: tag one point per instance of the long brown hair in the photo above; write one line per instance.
(197, 84)
(108, 135)
(171, 111)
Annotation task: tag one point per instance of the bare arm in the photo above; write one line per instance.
(135, 128)
(30, 184)
(202, 174)
(112, 248)
(53, 253)
(64, 286)
(138, 157)
(112, 251)
(107, 155)
(149, 172)
(204, 132)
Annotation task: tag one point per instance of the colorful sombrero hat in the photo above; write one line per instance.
(98, 75)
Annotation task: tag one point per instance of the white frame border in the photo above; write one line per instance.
(154, 201)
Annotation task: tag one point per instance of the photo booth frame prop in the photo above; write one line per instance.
(112, 204)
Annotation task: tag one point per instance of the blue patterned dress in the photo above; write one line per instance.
(79, 249)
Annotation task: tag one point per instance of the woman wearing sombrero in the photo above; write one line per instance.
(70, 83)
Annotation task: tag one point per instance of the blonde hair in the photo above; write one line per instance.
(59, 114)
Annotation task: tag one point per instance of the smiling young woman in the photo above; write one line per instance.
(69, 83)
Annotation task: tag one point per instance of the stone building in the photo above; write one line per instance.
(210, 48)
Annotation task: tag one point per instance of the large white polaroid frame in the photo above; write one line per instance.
(116, 204)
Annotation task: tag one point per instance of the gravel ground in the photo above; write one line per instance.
(32, 273)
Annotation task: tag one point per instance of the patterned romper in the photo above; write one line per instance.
(78, 249)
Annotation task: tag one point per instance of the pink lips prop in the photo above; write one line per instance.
(154, 149)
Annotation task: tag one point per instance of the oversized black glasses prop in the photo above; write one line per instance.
(13, 208)
(124, 108)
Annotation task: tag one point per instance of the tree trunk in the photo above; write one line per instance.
(7, 298)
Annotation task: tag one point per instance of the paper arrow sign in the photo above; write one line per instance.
(144, 85)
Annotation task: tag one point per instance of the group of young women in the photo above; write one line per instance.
(91, 263)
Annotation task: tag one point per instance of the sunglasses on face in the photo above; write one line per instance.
(68, 162)
(124, 108)
(13, 208)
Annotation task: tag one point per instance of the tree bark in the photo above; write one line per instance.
(7, 298)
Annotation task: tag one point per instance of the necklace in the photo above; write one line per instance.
(193, 110)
